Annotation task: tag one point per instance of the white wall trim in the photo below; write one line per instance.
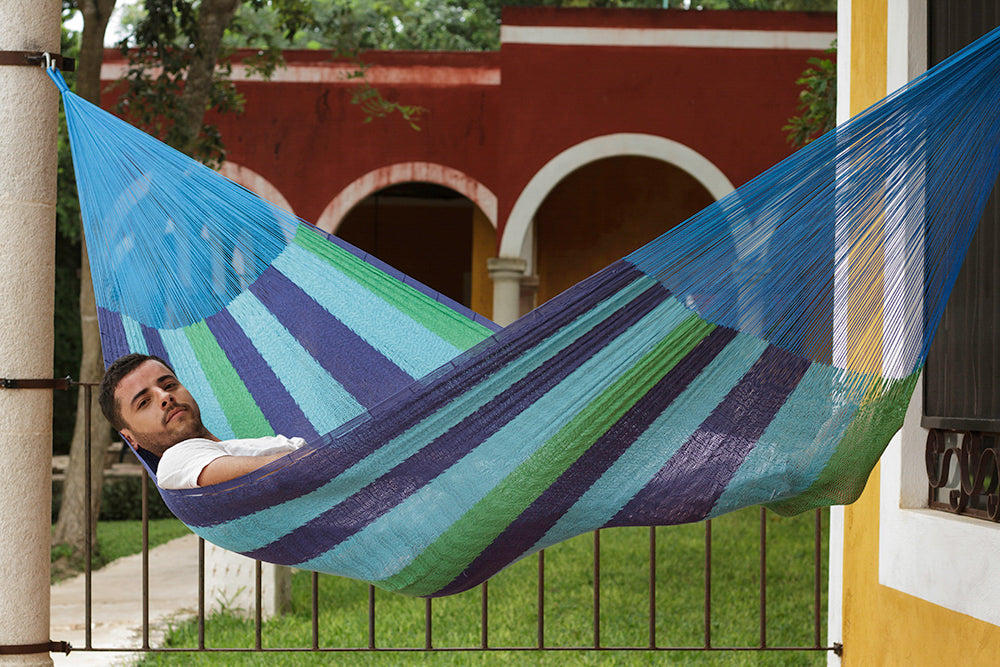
(346, 74)
(611, 145)
(945, 559)
(835, 569)
(667, 37)
(407, 172)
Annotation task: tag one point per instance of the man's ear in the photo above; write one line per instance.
(129, 438)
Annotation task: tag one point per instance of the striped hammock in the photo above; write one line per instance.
(763, 352)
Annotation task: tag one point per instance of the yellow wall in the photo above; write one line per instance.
(882, 626)
(484, 244)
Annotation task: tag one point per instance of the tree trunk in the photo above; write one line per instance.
(213, 18)
(71, 527)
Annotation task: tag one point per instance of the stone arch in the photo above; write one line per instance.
(405, 172)
(256, 183)
(611, 145)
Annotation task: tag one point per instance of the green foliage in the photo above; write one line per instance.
(512, 606)
(68, 343)
(122, 501)
(817, 102)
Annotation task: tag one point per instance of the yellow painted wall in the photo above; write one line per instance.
(484, 243)
(882, 626)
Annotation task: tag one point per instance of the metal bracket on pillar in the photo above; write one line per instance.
(29, 649)
(46, 383)
(37, 59)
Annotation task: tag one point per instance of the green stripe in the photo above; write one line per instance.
(464, 540)
(844, 476)
(453, 327)
(242, 413)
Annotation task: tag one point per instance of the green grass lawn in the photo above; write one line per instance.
(116, 539)
(568, 609)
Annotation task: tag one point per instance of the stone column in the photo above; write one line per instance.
(27, 253)
(506, 273)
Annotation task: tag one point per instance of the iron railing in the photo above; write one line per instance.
(541, 644)
(963, 472)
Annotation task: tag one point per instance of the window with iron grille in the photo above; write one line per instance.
(962, 374)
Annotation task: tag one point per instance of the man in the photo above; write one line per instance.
(145, 402)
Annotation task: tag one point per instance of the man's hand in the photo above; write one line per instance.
(226, 468)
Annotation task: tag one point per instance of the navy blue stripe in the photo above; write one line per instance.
(532, 525)
(687, 487)
(114, 342)
(279, 408)
(356, 512)
(356, 439)
(360, 368)
(154, 344)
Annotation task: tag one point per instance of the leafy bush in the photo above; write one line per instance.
(122, 501)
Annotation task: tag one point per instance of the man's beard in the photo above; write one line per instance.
(157, 443)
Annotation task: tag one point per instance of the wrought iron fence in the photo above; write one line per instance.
(371, 643)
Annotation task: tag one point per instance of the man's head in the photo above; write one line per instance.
(144, 401)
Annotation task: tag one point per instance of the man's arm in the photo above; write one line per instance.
(226, 468)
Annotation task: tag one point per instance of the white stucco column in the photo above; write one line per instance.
(506, 273)
(28, 101)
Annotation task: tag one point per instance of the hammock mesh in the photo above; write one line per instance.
(763, 352)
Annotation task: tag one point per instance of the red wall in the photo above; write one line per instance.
(497, 118)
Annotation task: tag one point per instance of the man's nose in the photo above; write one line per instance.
(165, 397)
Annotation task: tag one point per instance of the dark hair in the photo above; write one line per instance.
(114, 374)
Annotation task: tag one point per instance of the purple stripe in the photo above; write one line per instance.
(114, 342)
(532, 524)
(360, 368)
(689, 485)
(154, 344)
(356, 439)
(356, 512)
(279, 408)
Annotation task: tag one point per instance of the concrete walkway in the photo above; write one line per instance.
(116, 594)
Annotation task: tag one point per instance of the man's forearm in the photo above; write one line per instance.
(226, 468)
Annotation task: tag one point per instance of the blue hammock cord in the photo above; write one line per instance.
(763, 352)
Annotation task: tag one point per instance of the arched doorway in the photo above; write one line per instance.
(429, 232)
(604, 210)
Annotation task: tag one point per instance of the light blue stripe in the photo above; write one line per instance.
(323, 400)
(254, 531)
(405, 342)
(133, 334)
(451, 495)
(192, 376)
(794, 449)
(647, 455)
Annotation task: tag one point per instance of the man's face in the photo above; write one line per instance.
(158, 412)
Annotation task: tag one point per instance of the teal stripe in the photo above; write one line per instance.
(647, 455)
(133, 334)
(375, 558)
(402, 340)
(192, 376)
(252, 532)
(323, 400)
(796, 446)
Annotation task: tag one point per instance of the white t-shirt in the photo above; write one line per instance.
(181, 464)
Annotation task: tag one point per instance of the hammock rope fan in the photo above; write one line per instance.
(763, 352)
